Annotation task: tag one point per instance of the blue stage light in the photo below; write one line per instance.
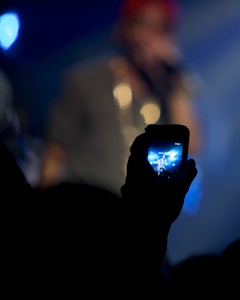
(9, 29)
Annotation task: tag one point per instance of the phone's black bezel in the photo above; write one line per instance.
(170, 133)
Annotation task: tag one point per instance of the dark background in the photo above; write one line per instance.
(55, 34)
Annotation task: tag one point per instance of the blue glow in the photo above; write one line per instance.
(194, 196)
(9, 28)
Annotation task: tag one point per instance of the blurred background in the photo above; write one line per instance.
(55, 34)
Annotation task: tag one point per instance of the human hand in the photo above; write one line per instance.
(159, 198)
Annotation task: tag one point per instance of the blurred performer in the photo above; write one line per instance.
(115, 98)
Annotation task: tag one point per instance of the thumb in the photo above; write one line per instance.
(187, 176)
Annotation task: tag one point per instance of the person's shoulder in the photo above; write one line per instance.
(89, 66)
(78, 191)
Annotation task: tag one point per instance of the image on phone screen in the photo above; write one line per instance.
(166, 157)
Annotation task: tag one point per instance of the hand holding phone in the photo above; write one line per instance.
(148, 187)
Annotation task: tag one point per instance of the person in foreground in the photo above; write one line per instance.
(73, 238)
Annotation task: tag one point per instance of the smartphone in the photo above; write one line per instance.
(167, 148)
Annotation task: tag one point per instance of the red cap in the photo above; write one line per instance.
(170, 7)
